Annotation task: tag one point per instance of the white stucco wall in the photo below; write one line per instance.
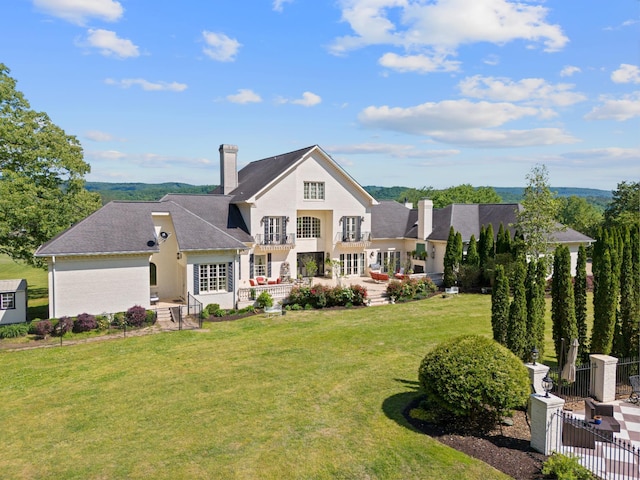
(170, 271)
(97, 284)
(224, 299)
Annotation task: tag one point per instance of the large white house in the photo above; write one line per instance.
(266, 220)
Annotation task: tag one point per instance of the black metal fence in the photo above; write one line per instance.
(572, 391)
(625, 368)
(598, 450)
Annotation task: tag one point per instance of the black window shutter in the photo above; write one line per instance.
(358, 227)
(239, 268)
(196, 279)
(230, 277)
(251, 265)
(344, 229)
(283, 239)
(269, 265)
(266, 230)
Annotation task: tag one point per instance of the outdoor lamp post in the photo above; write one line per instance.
(547, 385)
(534, 355)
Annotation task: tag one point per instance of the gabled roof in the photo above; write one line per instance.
(18, 285)
(260, 174)
(128, 228)
(390, 219)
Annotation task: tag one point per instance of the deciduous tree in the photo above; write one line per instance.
(41, 176)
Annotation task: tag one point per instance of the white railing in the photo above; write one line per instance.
(280, 290)
(275, 239)
(350, 237)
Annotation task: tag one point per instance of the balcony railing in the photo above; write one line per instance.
(353, 237)
(275, 241)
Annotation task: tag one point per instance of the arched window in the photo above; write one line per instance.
(153, 274)
(308, 227)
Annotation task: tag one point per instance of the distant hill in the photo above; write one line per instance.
(142, 191)
(155, 191)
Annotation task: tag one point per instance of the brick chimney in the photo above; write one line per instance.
(425, 218)
(228, 168)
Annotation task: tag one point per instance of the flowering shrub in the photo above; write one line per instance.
(102, 322)
(84, 322)
(43, 328)
(136, 316)
(408, 288)
(321, 296)
(64, 325)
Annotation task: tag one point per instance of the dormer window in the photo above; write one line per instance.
(314, 190)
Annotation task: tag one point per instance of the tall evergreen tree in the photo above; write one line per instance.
(500, 306)
(500, 245)
(628, 315)
(541, 308)
(472, 258)
(517, 322)
(563, 313)
(580, 296)
(485, 250)
(604, 306)
(450, 256)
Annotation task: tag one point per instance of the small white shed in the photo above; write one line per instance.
(13, 301)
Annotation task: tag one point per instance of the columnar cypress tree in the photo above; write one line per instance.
(563, 313)
(628, 318)
(449, 278)
(604, 307)
(517, 322)
(500, 246)
(485, 248)
(580, 295)
(459, 250)
(541, 307)
(500, 306)
(531, 291)
(473, 258)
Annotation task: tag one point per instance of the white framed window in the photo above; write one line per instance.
(308, 227)
(273, 229)
(260, 265)
(351, 229)
(212, 277)
(352, 263)
(7, 301)
(314, 190)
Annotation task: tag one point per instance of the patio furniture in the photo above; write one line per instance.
(635, 388)
(154, 298)
(274, 311)
(379, 277)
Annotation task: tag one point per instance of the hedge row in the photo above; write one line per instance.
(410, 288)
(320, 296)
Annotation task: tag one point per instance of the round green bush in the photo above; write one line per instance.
(264, 300)
(474, 377)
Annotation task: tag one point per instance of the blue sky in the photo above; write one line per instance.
(417, 93)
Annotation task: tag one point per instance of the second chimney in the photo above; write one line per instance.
(228, 168)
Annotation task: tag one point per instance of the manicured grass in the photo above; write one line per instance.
(309, 395)
(36, 281)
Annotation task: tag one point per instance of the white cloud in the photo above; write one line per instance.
(220, 47)
(108, 43)
(606, 154)
(308, 99)
(445, 115)
(569, 70)
(530, 90)
(79, 11)
(107, 155)
(484, 138)
(418, 63)
(146, 85)
(98, 136)
(440, 27)
(244, 95)
(616, 109)
(391, 150)
(279, 4)
(492, 60)
(626, 74)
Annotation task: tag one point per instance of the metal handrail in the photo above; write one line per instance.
(275, 239)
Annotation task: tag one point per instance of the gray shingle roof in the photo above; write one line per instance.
(256, 175)
(390, 219)
(18, 285)
(127, 227)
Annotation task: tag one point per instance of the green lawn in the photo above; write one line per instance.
(310, 395)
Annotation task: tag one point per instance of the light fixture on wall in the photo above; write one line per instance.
(433, 251)
(179, 255)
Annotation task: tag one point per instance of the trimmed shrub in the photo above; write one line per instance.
(119, 320)
(150, 318)
(43, 328)
(136, 316)
(84, 323)
(210, 310)
(102, 322)
(14, 330)
(264, 300)
(565, 467)
(64, 325)
(474, 378)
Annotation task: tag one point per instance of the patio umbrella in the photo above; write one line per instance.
(569, 370)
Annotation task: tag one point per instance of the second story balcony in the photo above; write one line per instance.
(355, 239)
(275, 241)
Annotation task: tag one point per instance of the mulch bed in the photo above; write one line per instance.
(506, 448)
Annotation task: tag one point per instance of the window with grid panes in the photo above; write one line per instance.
(213, 277)
(7, 301)
(314, 190)
(308, 227)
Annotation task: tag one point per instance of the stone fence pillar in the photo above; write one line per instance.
(545, 435)
(603, 377)
(536, 374)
